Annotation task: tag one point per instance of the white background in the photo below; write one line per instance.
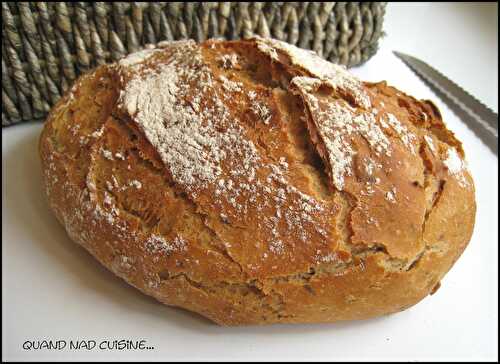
(459, 39)
(53, 289)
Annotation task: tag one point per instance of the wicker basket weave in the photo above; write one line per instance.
(45, 45)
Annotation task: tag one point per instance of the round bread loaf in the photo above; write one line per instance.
(253, 182)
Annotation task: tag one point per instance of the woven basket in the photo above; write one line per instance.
(45, 45)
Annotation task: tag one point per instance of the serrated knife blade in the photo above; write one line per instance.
(478, 117)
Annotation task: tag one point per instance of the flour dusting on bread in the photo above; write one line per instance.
(408, 138)
(185, 138)
(181, 108)
(137, 57)
(335, 123)
(335, 75)
(456, 166)
(158, 244)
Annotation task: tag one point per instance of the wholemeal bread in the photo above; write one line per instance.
(253, 182)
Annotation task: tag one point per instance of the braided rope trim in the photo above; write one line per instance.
(45, 46)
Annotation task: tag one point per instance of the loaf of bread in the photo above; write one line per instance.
(253, 182)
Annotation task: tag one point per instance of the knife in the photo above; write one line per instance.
(478, 117)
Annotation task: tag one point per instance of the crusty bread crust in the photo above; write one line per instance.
(254, 183)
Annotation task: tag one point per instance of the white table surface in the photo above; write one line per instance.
(459, 39)
(53, 290)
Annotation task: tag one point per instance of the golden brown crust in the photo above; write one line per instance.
(259, 184)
